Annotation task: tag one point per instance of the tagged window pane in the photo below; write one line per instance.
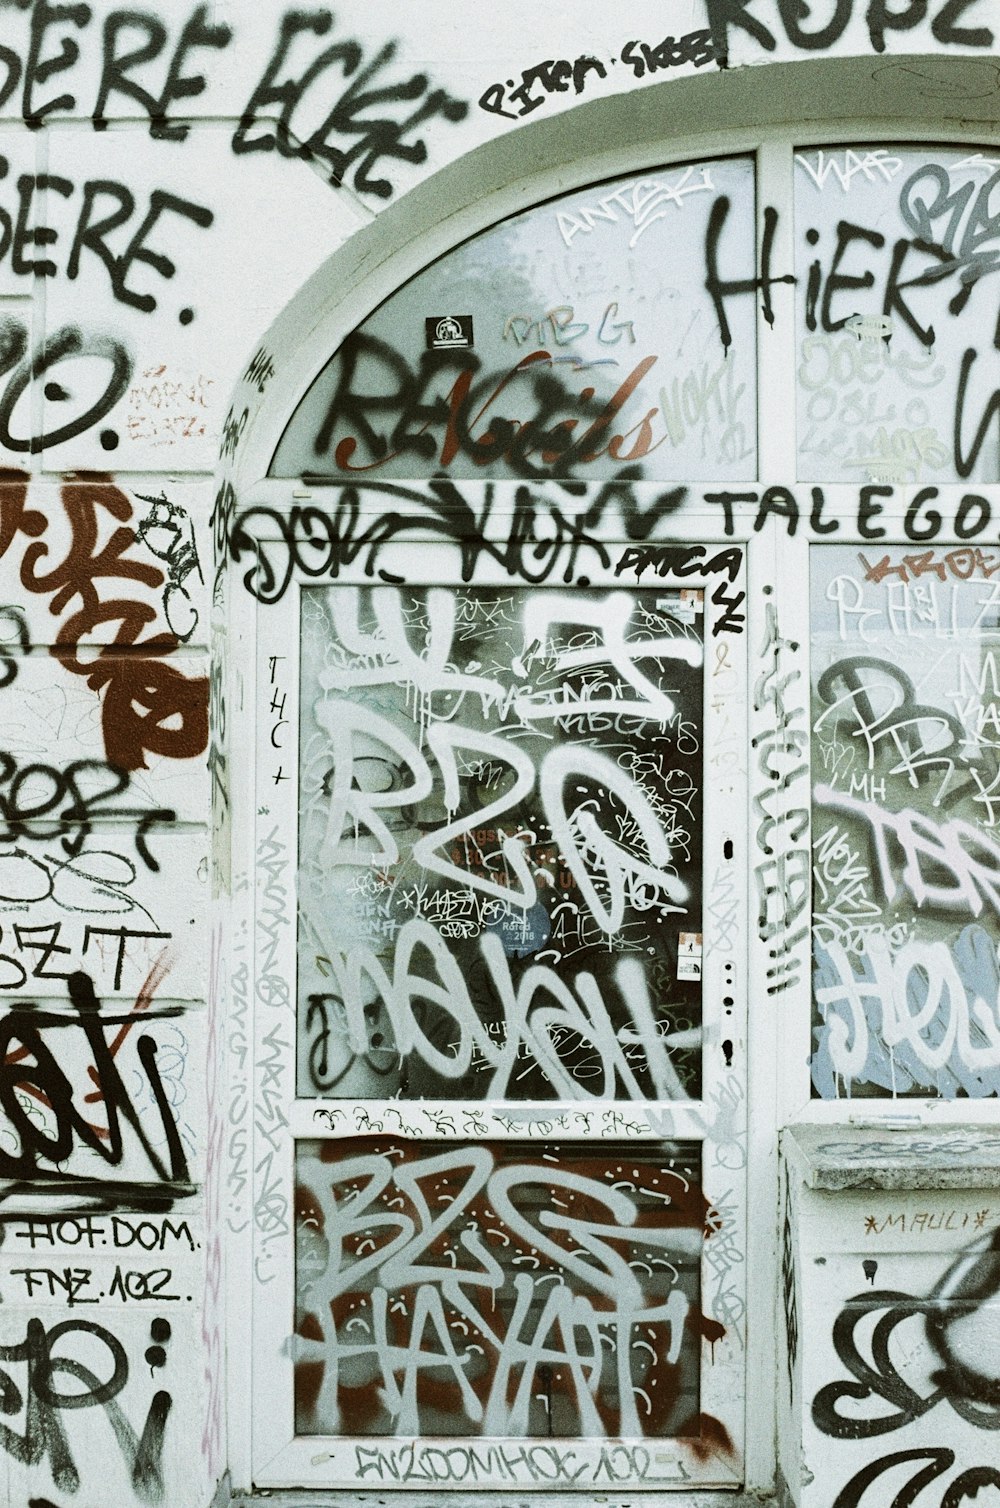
(897, 257)
(500, 843)
(582, 338)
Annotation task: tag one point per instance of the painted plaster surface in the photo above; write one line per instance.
(435, 723)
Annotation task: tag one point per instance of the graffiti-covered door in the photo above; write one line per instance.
(507, 1259)
(500, 869)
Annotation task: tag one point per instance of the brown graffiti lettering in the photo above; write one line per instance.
(148, 705)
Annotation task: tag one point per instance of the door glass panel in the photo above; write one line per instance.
(906, 805)
(498, 1289)
(500, 843)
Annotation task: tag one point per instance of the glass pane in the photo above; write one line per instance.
(500, 851)
(906, 805)
(897, 367)
(577, 339)
(497, 1290)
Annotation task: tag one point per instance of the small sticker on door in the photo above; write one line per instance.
(684, 605)
(445, 332)
(689, 955)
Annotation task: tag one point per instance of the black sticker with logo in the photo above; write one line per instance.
(447, 331)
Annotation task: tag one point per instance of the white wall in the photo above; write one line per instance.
(155, 222)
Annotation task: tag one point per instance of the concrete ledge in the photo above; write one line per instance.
(835, 1158)
(520, 1497)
